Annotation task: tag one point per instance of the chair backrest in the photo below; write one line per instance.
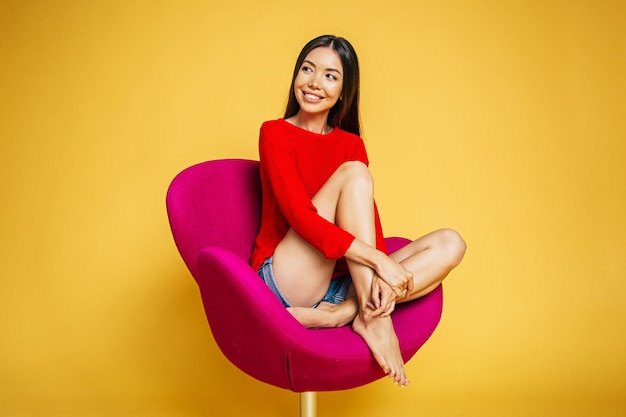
(215, 203)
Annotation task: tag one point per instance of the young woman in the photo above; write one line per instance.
(320, 248)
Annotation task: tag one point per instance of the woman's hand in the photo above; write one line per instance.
(383, 298)
(395, 276)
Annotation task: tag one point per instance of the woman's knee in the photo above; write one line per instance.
(453, 245)
(356, 173)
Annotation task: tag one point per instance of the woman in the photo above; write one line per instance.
(320, 247)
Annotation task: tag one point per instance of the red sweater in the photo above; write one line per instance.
(295, 163)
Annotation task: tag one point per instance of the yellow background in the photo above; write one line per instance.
(501, 119)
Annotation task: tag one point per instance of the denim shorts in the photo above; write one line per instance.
(336, 294)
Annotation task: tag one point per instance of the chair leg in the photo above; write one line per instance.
(308, 404)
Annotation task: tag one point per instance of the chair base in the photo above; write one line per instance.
(308, 404)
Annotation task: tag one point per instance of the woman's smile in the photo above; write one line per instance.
(312, 97)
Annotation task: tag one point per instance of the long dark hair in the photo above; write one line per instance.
(345, 113)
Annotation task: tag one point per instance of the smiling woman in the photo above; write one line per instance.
(340, 61)
(317, 88)
(320, 248)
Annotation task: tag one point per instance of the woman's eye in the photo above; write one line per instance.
(306, 69)
(331, 76)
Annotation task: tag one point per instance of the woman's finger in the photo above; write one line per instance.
(388, 299)
(389, 310)
(375, 295)
(410, 284)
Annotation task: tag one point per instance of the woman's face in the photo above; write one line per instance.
(319, 81)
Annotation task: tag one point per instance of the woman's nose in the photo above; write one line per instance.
(314, 82)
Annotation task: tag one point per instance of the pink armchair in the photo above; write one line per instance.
(214, 213)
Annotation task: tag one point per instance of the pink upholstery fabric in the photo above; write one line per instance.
(214, 212)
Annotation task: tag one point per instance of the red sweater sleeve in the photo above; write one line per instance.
(283, 179)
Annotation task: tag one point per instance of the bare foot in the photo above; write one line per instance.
(381, 338)
(326, 314)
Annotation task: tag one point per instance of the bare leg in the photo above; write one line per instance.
(355, 213)
(430, 259)
(326, 314)
(346, 199)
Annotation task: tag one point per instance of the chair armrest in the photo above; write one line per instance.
(250, 325)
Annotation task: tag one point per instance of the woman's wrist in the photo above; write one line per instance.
(364, 254)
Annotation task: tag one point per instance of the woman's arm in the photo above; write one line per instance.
(390, 271)
(277, 165)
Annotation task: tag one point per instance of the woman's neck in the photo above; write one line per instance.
(312, 123)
